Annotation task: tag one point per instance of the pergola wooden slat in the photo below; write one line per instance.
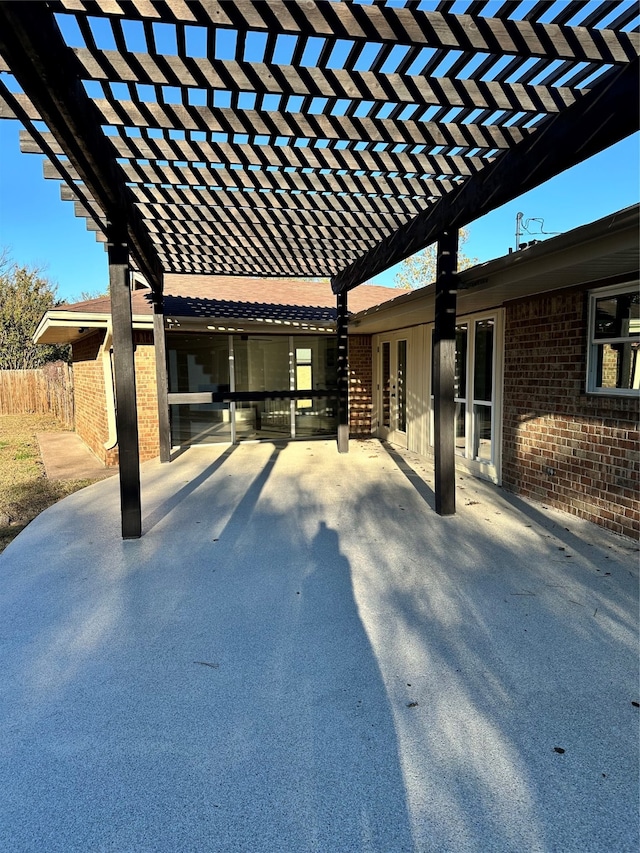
(327, 84)
(608, 114)
(307, 137)
(386, 25)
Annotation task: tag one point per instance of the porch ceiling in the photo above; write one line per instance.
(311, 138)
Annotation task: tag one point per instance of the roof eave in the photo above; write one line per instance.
(479, 277)
(68, 327)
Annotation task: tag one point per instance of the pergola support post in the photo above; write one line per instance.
(343, 373)
(125, 384)
(160, 349)
(444, 356)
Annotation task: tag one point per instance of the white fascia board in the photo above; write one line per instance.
(63, 327)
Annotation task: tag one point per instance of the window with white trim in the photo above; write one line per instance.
(613, 360)
(475, 397)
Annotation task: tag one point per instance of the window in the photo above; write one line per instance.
(402, 389)
(476, 366)
(304, 375)
(460, 389)
(203, 363)
(613, 366)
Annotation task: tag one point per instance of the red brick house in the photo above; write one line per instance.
(547, 370)
(222, 333)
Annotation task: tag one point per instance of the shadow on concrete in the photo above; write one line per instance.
(302, 656)
(426, 493)
(210, 686)
(150, 521)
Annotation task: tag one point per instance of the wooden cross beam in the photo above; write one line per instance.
(32, 46)
(609, 113)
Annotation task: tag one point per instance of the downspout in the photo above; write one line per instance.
(107, 370)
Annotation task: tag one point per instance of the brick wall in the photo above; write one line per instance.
(360, 385)
(147, 396)
(89, 393)
(574, 451)
(90, 397)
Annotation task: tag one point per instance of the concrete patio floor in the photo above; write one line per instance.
(300, 655)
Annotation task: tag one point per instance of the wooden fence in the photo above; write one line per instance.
(45, 391)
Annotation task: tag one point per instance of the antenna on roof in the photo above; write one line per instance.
(523, 225)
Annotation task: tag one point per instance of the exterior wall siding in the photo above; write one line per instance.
(576, 452)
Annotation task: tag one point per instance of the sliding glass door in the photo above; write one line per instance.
(198, 363)
(313, 366)
(261, 363)
(271, 366)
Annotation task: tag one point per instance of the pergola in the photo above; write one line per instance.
(306, 138)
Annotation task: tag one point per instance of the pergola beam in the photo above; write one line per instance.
(329, 157)
(125, 383)
(444, 359)
(609, 113)
(32, 47)
(387, 25)
(298, 125)
(147, 147)
(321, 82)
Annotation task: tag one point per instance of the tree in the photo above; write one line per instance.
(88, 295)
(420, 269)
(25, 294)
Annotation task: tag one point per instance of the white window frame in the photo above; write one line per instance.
(593, 344)
(489, 468)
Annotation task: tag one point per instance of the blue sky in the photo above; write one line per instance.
(39, 229)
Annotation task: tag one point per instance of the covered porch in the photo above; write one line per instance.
(306, 139)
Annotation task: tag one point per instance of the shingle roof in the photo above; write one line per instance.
(280, 291)
(240, 297)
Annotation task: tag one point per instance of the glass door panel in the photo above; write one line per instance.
(393, 391)
(460, 388)
(385, 384)
(483, 361)
(314, 368)
(483, 390)
(482, 432)
(461, 429)
(261, 363)
(198, 363)
(473, 390)
(401, 394)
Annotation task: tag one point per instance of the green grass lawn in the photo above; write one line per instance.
(24, 489)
